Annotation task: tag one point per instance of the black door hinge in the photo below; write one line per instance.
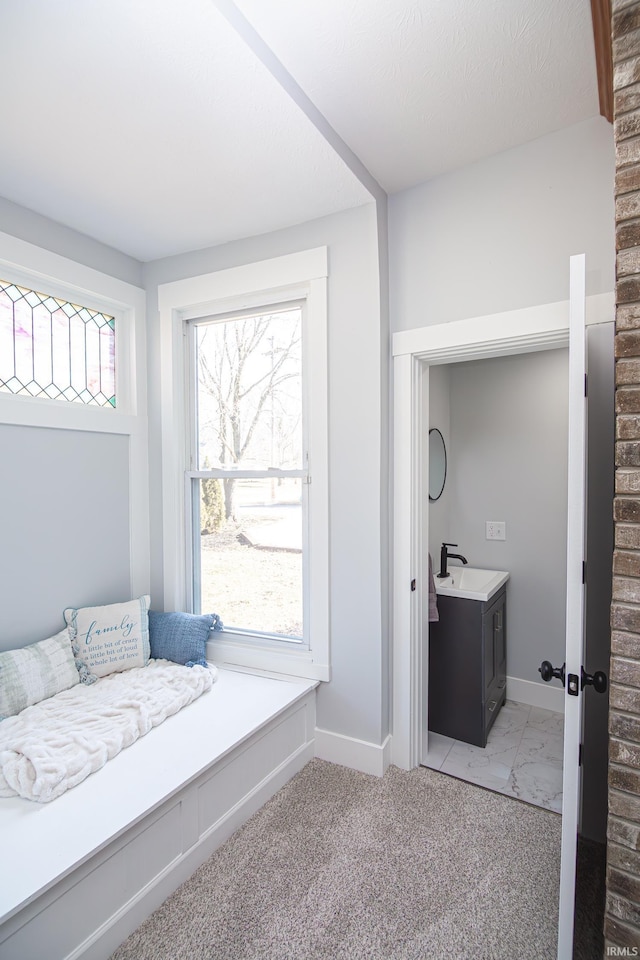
(584, 571)
(413, 586)
(580, 755)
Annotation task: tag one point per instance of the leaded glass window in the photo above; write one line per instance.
(55, 349)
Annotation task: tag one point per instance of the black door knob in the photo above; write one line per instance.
(597, 680)
(548, 672)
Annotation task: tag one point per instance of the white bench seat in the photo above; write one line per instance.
(80, 873)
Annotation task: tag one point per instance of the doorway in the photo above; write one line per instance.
(543, 327)
(505, 421)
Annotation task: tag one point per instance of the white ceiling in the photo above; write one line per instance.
(418, 87)
(154, 127)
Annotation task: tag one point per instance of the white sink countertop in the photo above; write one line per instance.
(471, 583)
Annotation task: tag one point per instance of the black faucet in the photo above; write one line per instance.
(445, 556)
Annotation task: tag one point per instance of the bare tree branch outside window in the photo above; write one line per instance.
(249, 370)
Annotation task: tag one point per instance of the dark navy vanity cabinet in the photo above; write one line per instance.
(467, 667)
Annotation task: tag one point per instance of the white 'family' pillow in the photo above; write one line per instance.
(110, 638)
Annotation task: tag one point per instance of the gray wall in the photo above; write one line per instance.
(489, 237)
(64, 527)
(386, 505)
(354, 702)
(509, 462)
(437, 512)
(497, 235)
(34, 228)
(64, 495)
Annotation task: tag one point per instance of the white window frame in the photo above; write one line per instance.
(298, 276)
(42, 270)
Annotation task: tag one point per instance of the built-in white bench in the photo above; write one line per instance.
(79, 874)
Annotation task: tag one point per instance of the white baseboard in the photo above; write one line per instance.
(536, 694)
(350, 752)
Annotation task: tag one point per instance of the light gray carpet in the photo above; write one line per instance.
(342, 866)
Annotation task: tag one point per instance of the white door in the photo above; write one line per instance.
(575, 604)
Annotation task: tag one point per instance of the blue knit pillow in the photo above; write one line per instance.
(181, 637)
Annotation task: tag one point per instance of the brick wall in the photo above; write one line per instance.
(622, 920)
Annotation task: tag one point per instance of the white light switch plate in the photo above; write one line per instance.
(496, 530)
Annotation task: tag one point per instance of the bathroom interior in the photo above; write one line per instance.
(503, 423)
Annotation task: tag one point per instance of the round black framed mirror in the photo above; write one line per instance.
(437, 464)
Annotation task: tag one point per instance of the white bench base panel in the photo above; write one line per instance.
(255, 735)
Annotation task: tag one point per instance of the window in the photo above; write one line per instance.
(55, 349)
(244, 379)
(249, 513)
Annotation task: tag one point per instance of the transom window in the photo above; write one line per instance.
(55, 349)
(249, 485)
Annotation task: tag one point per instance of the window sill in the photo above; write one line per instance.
(261, 641)
(59, 414)
(294, 661)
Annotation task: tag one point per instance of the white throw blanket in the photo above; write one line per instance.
(55, 744)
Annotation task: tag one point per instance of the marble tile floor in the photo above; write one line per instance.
(522, 758)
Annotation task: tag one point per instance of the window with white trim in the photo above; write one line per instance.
(245, 473)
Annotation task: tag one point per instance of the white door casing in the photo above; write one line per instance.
(530, 329)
